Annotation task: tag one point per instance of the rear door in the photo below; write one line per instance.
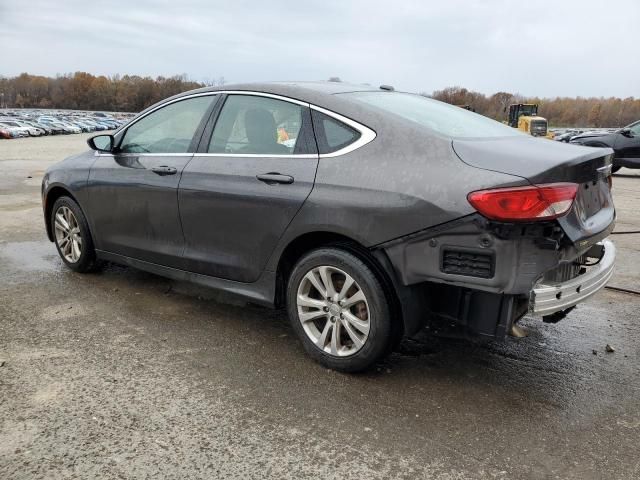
(253, 170)
(133, 193)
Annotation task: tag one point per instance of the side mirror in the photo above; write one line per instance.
(626, 132)
(101, 143)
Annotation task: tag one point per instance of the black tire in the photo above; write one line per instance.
(615, 169)
(87, 261)
(380, 336)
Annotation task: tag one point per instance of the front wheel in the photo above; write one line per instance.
(71, 236)
(339, 309)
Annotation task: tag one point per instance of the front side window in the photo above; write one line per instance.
(167, 130)
(250, 124)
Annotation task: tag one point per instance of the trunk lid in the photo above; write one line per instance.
(543, 161)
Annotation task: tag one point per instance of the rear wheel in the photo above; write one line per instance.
(615, 169)
(339, 309)
(71, 236)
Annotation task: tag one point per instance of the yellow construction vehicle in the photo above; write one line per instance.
(524, 117)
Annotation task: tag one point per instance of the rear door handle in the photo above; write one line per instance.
(273, 178)
(164, 170)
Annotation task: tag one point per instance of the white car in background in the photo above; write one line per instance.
(59, 124)
(72, 128)
(34, 131)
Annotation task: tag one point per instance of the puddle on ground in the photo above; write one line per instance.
(30, 256)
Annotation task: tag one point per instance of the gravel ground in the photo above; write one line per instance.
(124, 374)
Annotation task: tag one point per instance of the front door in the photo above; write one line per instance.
(133, 193)
(246, 183)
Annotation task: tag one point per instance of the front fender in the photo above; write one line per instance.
(68, 177)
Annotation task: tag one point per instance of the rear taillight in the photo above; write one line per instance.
(536, 202)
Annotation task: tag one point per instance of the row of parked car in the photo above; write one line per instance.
(566, 134)
(36, 123)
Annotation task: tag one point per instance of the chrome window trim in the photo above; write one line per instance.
(268, 95)
(218, 92)
(188, 154)
(258, 155)
(170, 102)
(366, 134)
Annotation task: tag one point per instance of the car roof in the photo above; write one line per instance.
(295, 88)
(321, 94)
(318, 93)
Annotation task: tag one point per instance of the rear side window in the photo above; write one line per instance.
(331, 134)
(256, 125)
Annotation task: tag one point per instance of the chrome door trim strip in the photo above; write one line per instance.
(129, 154)
(246, 155)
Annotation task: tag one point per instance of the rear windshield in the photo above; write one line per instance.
(446, 119)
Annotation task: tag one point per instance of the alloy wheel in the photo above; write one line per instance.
(333, 311)
(67, 233)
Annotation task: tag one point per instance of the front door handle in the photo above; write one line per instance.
(272, 178)
(164, 170)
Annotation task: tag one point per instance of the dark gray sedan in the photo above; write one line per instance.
(625, 143)
(367, 213)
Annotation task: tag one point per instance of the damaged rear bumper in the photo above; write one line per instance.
(485, 276)
(548, 298)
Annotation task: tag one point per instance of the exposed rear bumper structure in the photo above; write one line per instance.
(550, 298)
(484, 277)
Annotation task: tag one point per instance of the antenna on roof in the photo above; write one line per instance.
(388, 88)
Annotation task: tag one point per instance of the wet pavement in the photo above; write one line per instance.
(123, 374)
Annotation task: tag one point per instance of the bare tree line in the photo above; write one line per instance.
(559, 111)
(83, 91)
(132, 93)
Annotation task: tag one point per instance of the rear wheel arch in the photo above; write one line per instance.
(310, 241)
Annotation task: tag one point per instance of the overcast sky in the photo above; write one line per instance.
(558, 48)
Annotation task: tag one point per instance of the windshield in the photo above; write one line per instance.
(528, 110)
(441, 117)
